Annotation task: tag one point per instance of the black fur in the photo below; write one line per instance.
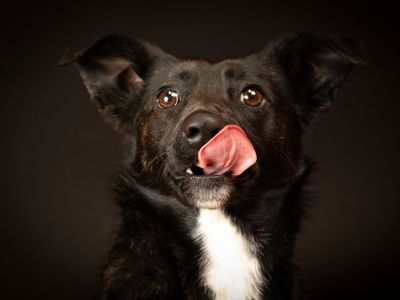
(154, 255)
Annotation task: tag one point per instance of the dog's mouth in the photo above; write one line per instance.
(196, 171)
(223, 163)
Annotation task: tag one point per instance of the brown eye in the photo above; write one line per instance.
(251, 97)
(167, 99)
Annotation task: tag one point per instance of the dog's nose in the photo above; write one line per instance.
(199, 127)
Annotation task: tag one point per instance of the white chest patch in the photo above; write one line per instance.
(229, 267)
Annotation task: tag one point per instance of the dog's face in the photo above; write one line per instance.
(188, 102)
(177, 110)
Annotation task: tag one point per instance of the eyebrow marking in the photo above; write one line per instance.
(184, 75)
(234, 73)
(188, 77)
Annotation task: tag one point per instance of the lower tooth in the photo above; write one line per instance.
(189, 171)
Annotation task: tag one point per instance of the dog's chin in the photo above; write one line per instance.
(211, 191)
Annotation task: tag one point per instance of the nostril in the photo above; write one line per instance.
(192, 131)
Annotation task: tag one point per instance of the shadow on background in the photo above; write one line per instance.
(57, 156)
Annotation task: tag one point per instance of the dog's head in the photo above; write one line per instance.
(206, 131)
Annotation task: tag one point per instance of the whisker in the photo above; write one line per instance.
(284, 155)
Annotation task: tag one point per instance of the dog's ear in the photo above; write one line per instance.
(315, 68)
(114, 70)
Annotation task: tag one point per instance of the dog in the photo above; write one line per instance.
(213, 193)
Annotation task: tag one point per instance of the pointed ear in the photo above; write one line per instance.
(114, 70)
(315, 68)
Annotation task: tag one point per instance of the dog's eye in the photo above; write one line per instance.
(167, 99)
(251, 97)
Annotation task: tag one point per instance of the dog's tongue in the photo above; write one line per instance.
(228, 151)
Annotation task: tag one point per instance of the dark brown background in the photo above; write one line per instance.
(57, 155)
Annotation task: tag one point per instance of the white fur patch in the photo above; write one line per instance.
(229, 266)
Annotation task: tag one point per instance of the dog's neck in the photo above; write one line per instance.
(237, 243)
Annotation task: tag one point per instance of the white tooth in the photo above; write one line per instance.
(189, 171)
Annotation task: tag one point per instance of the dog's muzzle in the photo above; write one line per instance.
(223, 156)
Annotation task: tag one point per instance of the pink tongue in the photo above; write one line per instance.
(228, 151)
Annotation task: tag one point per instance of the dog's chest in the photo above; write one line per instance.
(229, 267)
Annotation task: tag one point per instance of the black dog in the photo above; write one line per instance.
(211, 199)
